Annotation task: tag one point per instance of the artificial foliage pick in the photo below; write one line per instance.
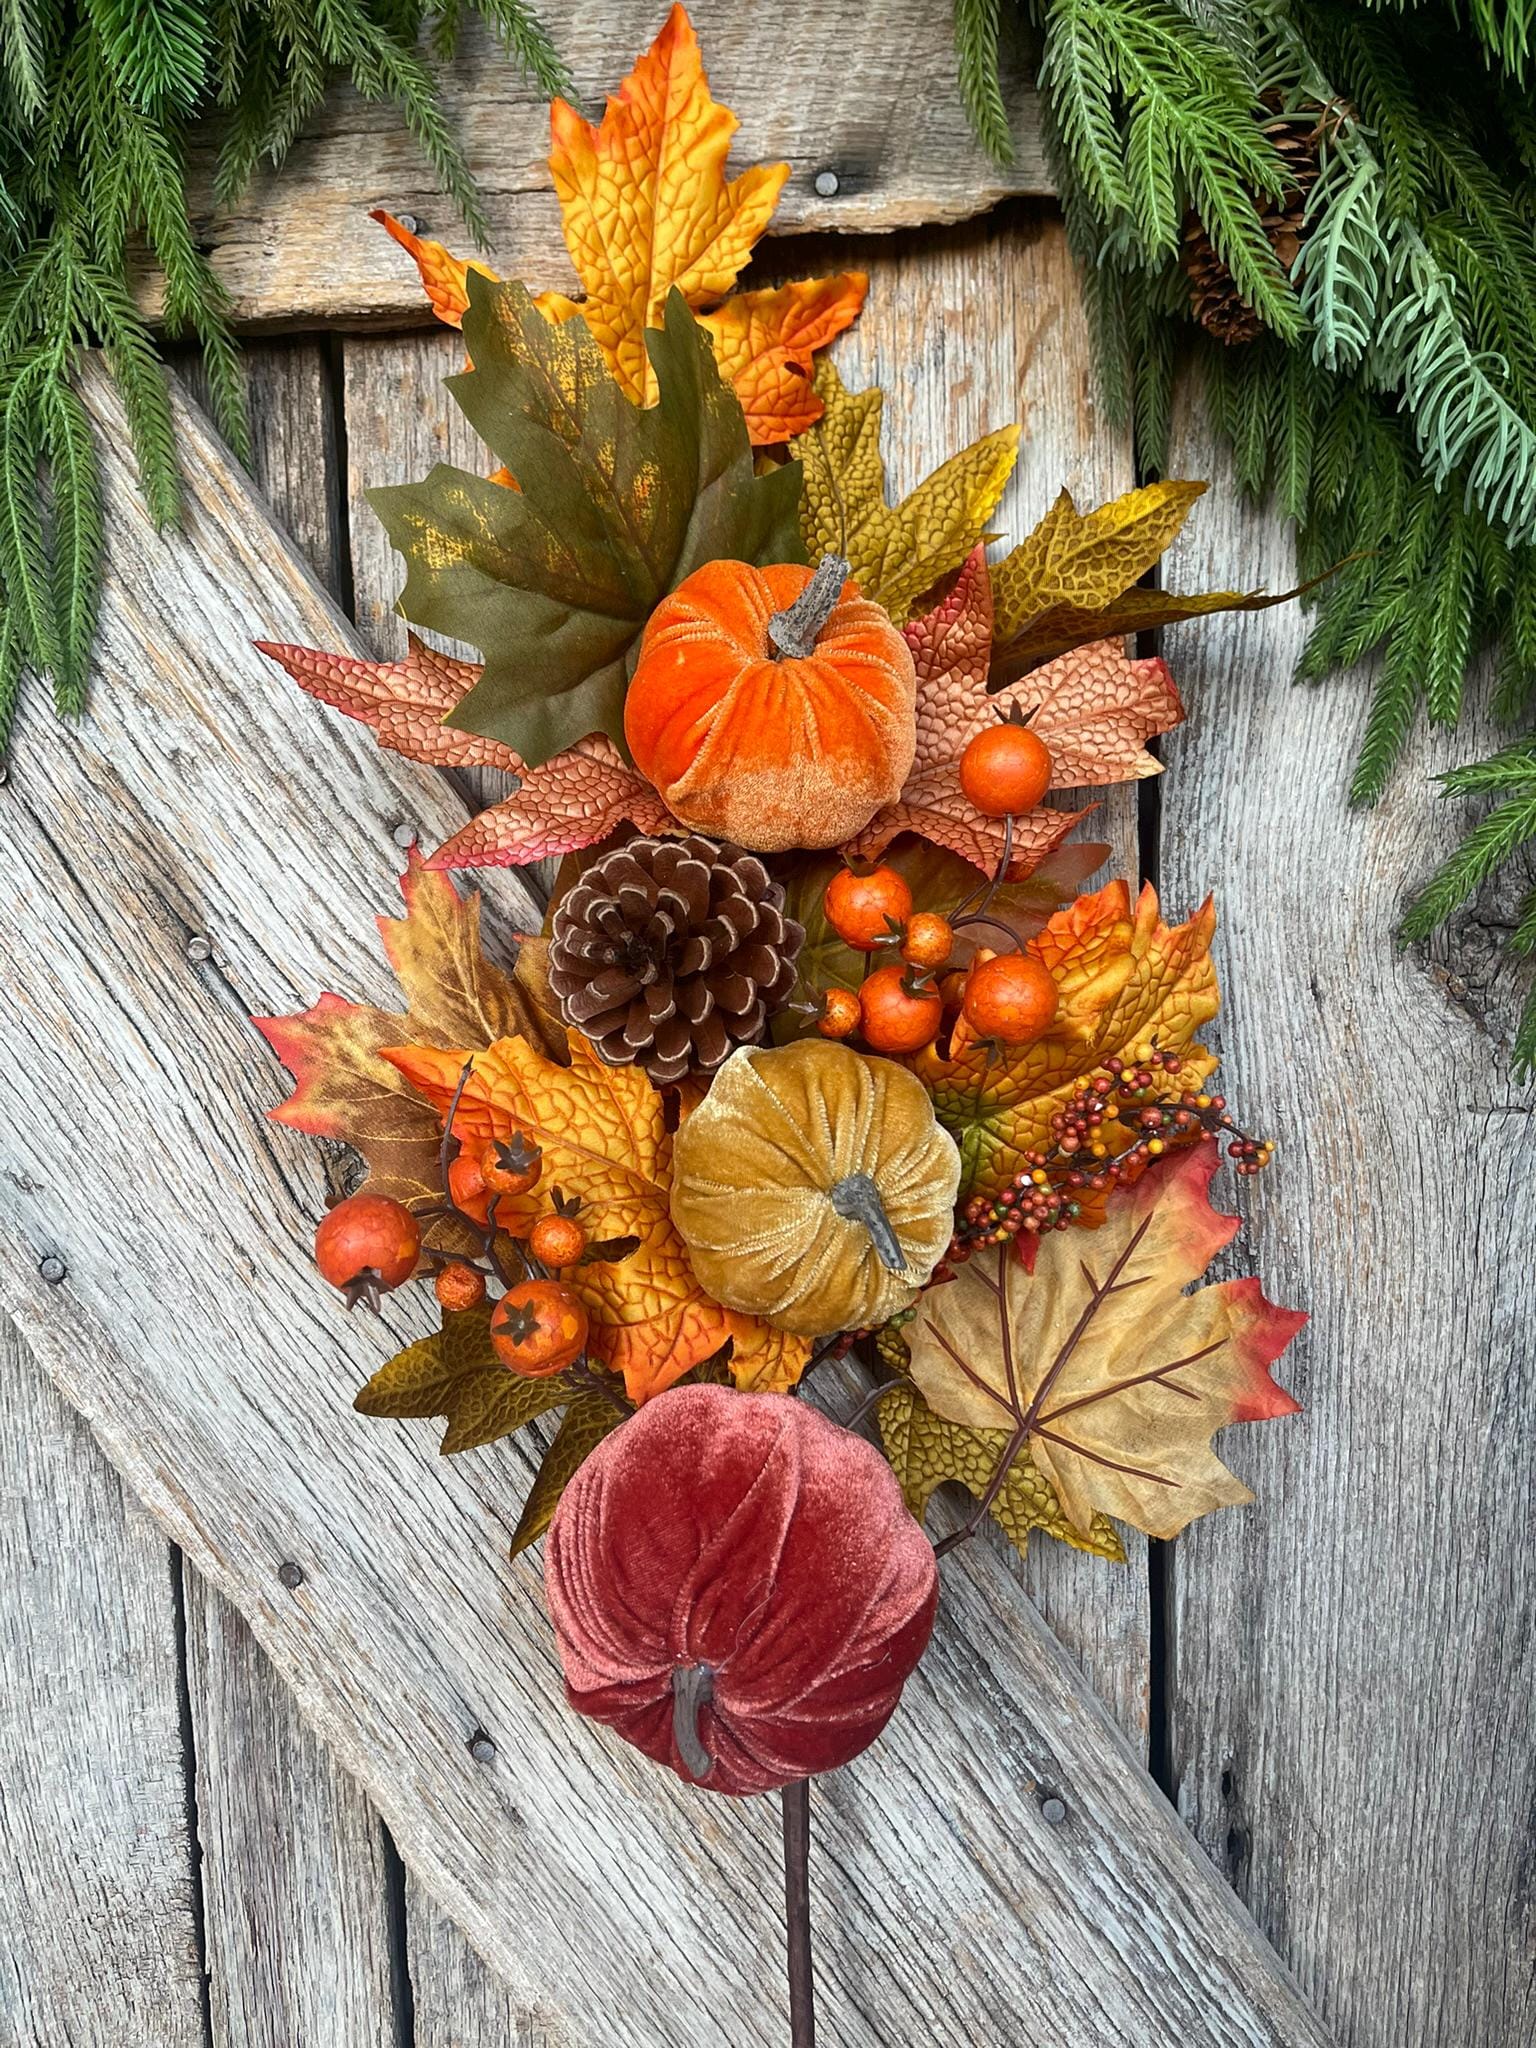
(820, 1053)
(1328, 205)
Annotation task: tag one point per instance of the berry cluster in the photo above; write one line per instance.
(1047, 1194)
(368, 1245)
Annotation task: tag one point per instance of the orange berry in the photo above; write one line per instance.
(863, 909)
(466, 1187)
(458, 1287)
(840, 1013)
(898, 1015)
(366, 1246)
(929, 941)
(557, 1240)
(1011, 998)
(538, 1328)
(1006, 769)
(511, 1166)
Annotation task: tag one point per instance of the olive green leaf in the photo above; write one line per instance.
(583, 1426)
(616, 503)
(897, 552)
(456, 1373)
(1087, 559)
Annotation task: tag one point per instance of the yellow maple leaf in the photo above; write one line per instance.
(604, 1139)
(897, 552)
(1088, 559)
(1124, 977)
(645, 205)
(1101, 1366)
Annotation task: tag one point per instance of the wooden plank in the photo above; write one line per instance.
(294, 1880)
(456, 2001)
(98, 1908)
(867, 91)
(950, 1906)
(1350, 1715)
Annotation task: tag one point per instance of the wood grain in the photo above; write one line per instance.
(1351, 1709)
(867, 90)
(220, 1384)
(98, 1913)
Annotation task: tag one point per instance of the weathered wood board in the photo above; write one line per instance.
(867, 91)
(220, 1384)
(97, 1893)
(1352, 1701)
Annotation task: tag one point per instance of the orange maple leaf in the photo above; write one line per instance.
(572, 800)
(1124, 978)
(604, 1138)
(1095, 708)
(1101, 1366)
(645, 205)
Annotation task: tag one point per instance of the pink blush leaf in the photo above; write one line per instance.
(569, 802)
(404, 701)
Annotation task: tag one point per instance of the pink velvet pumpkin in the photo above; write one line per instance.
(737, 1588)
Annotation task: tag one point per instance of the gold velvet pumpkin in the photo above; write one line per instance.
(814, 1187)
(772, 707)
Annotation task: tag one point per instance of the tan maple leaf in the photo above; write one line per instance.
(570, 801)
(1102, 1366)
(646, 206)
(1094, 709)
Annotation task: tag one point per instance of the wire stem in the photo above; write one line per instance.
(797, 1912)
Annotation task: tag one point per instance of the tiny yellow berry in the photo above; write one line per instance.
(1099, 1149)
(1155, 1147)
(1039, 1177)
(1202, 1102)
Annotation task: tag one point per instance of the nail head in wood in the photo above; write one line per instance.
(827, 183)
(5, 773)
(199, 949)
(1053, 1811)
(481, 1747)
(404, 836)
(52, 1269)
(291, 1575)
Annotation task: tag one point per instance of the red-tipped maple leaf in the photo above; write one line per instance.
(1094, 708)
(573, 800)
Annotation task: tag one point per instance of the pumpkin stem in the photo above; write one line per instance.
(856, 1197)
(795, 630)
(693, 1686)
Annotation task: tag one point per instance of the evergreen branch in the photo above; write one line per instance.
(976, 40)
(1492, 842)
(77, 534)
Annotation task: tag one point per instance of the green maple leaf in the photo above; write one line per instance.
(617, 504)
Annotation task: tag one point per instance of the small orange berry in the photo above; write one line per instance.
(466, 1187)
(929, 941)
(1005, 769)
(366, 1246)
(840, 1013)
(458, 1286)
(511, 1166)
(863, 909)
(899, 1015)
(538, 1328)
(557, 1240)
(1011, 998)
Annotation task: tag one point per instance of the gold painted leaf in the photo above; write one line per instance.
(456, 1373)
(1065, 626)
(897, 552)
(1101, 1365)
(1088, 559)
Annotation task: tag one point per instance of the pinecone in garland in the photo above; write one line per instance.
(1217, 303)
(669, 953)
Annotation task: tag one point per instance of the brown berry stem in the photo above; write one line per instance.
(857, 1198)
(693, 1687)
(794, 631)
(796, 1801)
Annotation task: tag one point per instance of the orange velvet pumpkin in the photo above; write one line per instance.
(772, 707)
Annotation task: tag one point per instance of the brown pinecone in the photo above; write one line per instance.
(1218, 305)
(669, 953)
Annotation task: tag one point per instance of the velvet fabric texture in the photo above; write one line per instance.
(737, 1588)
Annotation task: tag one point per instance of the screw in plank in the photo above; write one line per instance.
(5, 773)
(1053, 1811)
(404, 836)
(827, 183)
(291, 1575)
(52, 1269)
(409, 222)
(481, 1747)
(199, 949)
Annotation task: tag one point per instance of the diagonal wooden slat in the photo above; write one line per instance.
(204, 798)
(867, 92)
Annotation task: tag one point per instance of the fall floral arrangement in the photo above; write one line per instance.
(819, 1050)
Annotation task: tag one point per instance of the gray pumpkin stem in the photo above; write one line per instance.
(857, 1198)
(693, 1687)
(795, 630)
